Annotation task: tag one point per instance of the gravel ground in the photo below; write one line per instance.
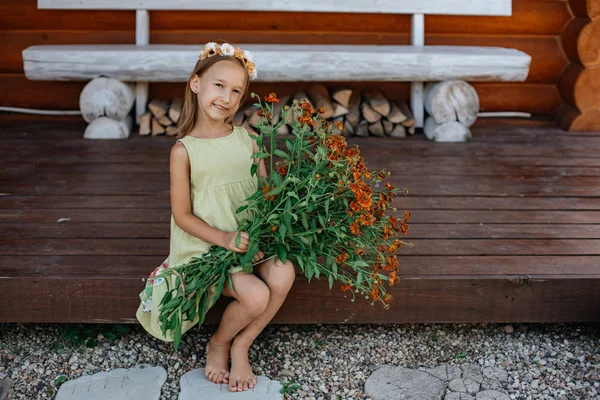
(544, 361)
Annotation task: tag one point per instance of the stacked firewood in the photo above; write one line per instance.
(161, 118)
(362, 113)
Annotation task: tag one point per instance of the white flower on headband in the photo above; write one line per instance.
(227, 49)
(211, 46)
(253, 74)
(248, 56)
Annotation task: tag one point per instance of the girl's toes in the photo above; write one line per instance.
(233, 387)
(219, 378)
(245, 385)
(226, 377)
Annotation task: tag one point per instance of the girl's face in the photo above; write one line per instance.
(219, 90)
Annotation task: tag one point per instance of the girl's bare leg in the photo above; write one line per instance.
(279, 278)
(251, 297)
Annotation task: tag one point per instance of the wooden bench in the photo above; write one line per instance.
(143, 62)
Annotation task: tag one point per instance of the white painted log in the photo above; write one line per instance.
(278, 63)
(449, 7)
(105, 97)
(452, 131)
(452, 101)
(108, 128)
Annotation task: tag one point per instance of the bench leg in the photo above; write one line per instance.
(141, 99)
(417, 103)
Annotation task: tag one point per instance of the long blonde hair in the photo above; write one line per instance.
(189, 110)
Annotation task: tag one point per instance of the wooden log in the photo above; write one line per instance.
(349, 129)
(388, 126)
(108, 128)
(452, 131)
(588, 45)
(105, 97)
(165, 121)
(362, 129)
(452, 101)
(572, 120)
(342, 96)
(570, 38)
(319, 96)
(585, 8)
(339, 110)
(175, 109)
(376, 129)
(580, 86)
(405, 109)
(158, 108)
(157, 128)
(353, 115)
(171, 130)
(378, 102)
(254, 119)
(369, 114)
(396, 115)
(399, 131)
(145, 124)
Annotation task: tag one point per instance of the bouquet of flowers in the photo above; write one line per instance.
(320, 207)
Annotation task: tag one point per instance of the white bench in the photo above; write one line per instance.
(416, 63)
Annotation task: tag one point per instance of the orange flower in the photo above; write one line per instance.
(387, 232)
(282, 170)
(364, 200)
(388, 298)
(339, 125)
(394, 246)
(321, 110)
(271, 98)
(392, 263)
(375, 293)
(367, 219)
(392, 278)
(354, 206)
(360, 251)
(403, 228)
(273, 228)
(342, 258)
(394, 223)
(389, 187)
(267, 190)
(354, 229)
(345, 287)
(381, 175)
(406, 216)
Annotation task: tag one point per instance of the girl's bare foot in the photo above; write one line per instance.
(217, 361)
(241, 377)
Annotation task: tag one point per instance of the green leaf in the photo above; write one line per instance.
(260, 155)
(276, 190)
(289, 145)
(300, 263)
(359, 278)
(309, 271)
(305, 220)
(294, 195)
(253, 169)
(327, 207)
(330, 277)
(282, 154)
(272, 217)
(334, 268)
(282, 253)
(59, 380)
(282, 231)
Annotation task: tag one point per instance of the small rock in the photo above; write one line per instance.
(492, 395)
(509, 329)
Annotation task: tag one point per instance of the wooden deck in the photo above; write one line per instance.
(506, 228)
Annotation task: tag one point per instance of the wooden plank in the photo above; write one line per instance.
(533, 17)
(85, 299)
(429, 247)
(474, 266)
(410, 202)
(172, 63)
(473, 7)
(117, 230)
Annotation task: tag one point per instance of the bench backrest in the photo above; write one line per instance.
(442, 7)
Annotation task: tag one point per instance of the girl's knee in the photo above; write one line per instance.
(256, 300)
(284, 276)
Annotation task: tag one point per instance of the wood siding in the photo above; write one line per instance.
(534, 28)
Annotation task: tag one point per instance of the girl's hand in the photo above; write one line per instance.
(230, 238)
(259, 256)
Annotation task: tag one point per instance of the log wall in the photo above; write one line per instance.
(535, 27)
(579, 84)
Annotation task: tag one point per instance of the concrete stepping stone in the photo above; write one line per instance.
(142, 382)
(492, 395)
(398, 383)
(458, 396)
(5, 385)
(463, 386)
(195, 386)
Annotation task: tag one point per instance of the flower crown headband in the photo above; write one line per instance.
(211, 49)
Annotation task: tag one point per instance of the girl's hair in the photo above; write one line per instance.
(189, 110)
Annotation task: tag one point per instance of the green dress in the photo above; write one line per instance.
(220, 182)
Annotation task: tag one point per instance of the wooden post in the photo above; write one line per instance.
(416, 88)
(142, 38)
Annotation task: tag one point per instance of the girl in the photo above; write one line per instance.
(210, 178)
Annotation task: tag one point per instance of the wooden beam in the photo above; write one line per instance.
(173, 63)
(447, 7)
